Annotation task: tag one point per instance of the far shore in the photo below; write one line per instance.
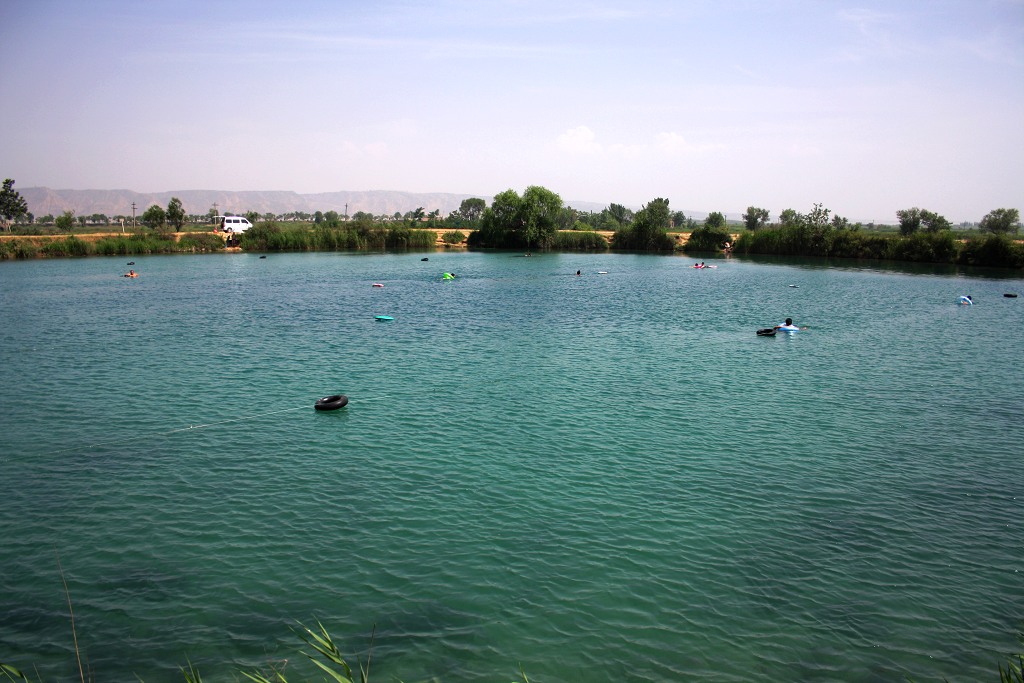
(679, 237)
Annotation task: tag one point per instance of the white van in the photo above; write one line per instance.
(232, 223)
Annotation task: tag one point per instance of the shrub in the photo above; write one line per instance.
(112, 246)
(200, 242)
(992, 250)
(706, 238)
(69, 246)
(584, 240)
(628, 237)
(453, 237)
(401, 237)
(924, 247)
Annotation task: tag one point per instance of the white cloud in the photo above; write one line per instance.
(579, 140)
(671, 142)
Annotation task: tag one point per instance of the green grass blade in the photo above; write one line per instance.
(12, 673)
(334, 674)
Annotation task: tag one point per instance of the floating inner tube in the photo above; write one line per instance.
(383, 317)
(967, 300)
(1010, 296)
(332, 402)
(378, 284)
(788, 328)
(424, 259)
(766, 332)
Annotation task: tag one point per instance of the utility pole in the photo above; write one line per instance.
(346, 211)
(133, 215)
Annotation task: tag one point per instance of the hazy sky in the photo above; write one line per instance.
(866, 107)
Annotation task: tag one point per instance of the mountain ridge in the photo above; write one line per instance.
(118, 202)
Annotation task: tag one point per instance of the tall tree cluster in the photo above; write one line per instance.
(12, 204)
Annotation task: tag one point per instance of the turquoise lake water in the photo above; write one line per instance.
(600, 478)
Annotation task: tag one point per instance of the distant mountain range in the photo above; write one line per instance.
(42, 201)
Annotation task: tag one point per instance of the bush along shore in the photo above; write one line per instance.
(939, 247)
(944, 247)
(109, 245)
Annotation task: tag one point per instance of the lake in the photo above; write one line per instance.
(601, 477)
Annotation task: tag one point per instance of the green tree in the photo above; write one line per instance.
(933, 222)
(514, 221)
(715, 221)
(650, 226)
(755, 218)
(500, 221)
(175, 213)
(332, 219)
(65, 222)
(621, 214)
(155, 217)
(252, 216)
(568, 218)
(648, 229)
(910, 220)
(12, 204)
(711, 236)
(472, 209)
(541, 208)
(818, 217)
(999, 221)
(790, 218)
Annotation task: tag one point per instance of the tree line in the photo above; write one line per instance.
(538, 219)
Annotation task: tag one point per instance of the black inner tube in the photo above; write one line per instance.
(331, 402)
(766, 332)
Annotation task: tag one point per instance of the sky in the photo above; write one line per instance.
(864, 107)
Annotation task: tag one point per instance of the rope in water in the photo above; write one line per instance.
(152, 435)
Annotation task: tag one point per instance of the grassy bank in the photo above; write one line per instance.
(347, 237)
(108, 245)
(940, 247)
